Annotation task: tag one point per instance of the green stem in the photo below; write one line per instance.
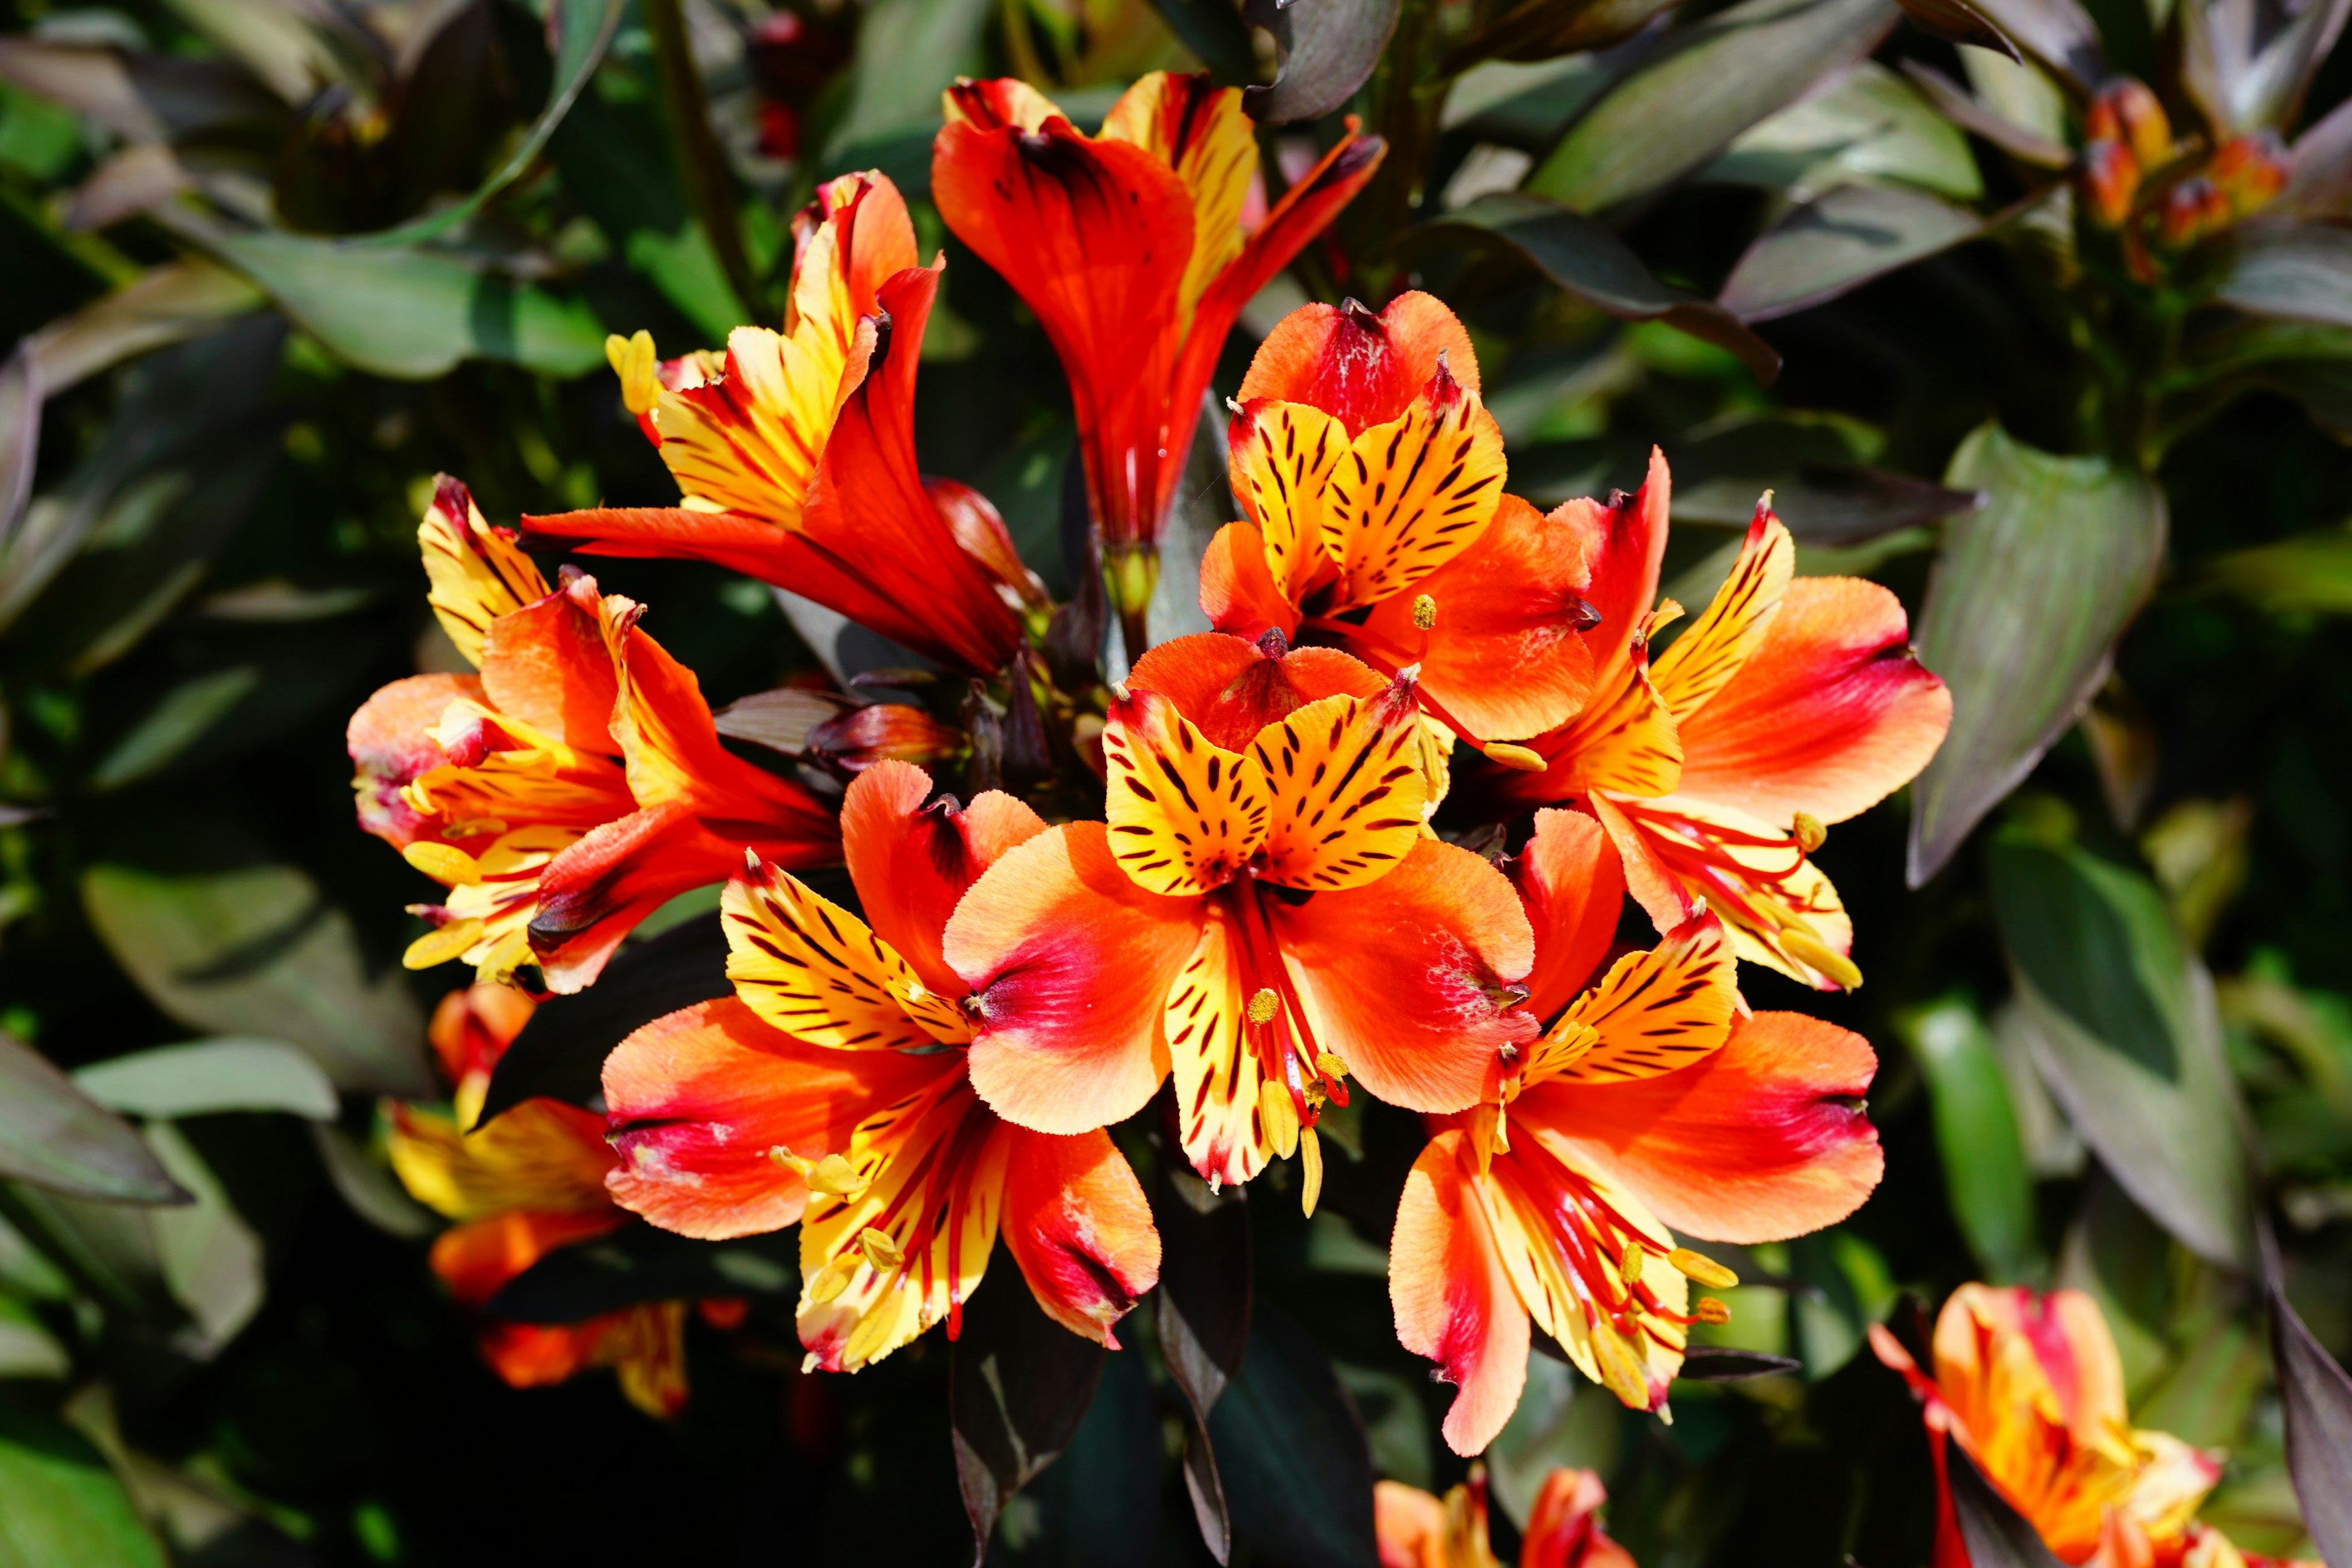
(710, 188)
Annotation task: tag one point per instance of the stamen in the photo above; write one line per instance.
(1705, 1270)
(1630, 1264)
(832, 1176)
(1278, 1118)
(1709, 1310)
(1814, 953)
(1809, 832)
(1310, 1159)
(1519, 757)
(1425, 613)
(831, 1281)
(1264, 1004)
(880, 1250)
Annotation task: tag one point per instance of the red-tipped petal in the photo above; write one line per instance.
(1573, 885)
(1233, 688)
(1077, 1223)
(1237, 593)
(1623, 546)
(1365, 369)
(478, 1258)
(1453, 1299)
(546, 664)
(911, 862)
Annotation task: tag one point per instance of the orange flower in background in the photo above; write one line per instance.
(1792, 702)
(1653, 1099)
(1261, 915)
(1373, 478)
(1418, 1530)
(832, 1090)
(796, 451)
(526, 1184)
(2032, 1389)
(1132, 249)
(571, 788)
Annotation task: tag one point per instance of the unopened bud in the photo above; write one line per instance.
(1519, 757)
(1705, 1269)
(2110, 179)
(1810, 833)
(881, 1250)
(2193, 209)
(2251, 171)
(2126, 112)
(1707, 1310)
(1278, 1118)
(1425, 613)
(1263, 1006)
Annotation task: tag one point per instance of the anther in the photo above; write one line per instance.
(1810, 833)
(1581, 615)
(1703, 1269)
(1707, 1310)
(1329, 1065)
(1425, 613)
(1813, 952)
(880, 1250)
(1278, 1118)
(1118, 690)
(1263, 1006)
(832, 1176)
(1630, 1264)
(1519, 757)
(1310, 1159)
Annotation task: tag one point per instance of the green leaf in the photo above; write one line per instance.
(367, 1186)
(2021, 619)
(1713, 81)
(1871, 126)
(163, 305)
(2126, 1032)
(638, 1263)
(60, 1506)
(1296, 1471)
(178, 721)
(1957, 22)
(140, 98)
(2248, 66)
(2059, 33)
(1204, 1320)
(2316, 1397)
(2298, 272)
(211, 1258)
(1214, 32)
(2311, 572)
(1100, 1502)
(1020, 1386)
(908, 52)
(256, 951)
(207, 1076)
(1985, 1174)
(1589, 261)
(55, 1136)
(1837, 243)
(1327, 49)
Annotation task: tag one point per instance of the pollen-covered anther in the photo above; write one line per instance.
(880, 1250)
(1630, 1264)
(1813, 952)
(1707, 1310)
(1278, 1118)
(1705, 1270)
(1263, 1006)
(832, 1176)
(1809, 832)
(1425, 612)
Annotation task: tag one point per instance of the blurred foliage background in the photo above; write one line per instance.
(271, 264)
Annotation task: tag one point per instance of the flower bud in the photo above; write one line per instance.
(2192, 209)
(2109, 179)
(2126, 112)
(2250, 170)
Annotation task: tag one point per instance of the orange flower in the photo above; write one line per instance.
(796, 452)
(1418, 1530)
(1130, 247)
(1653, 1099)
(571, 788)
(2032, 1389)
(831, 1090)
(1262, 915)
(528, 1183)
(1373, 481)
(1790, 703)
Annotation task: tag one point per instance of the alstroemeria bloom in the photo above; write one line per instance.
(1133, 249)
(1418, 1530)
(1261, 914)
(1790, 703)
(571, 787)
(1373, 478)
(2032, 1389)
(831, 1090)
(529, 1181)
(797, 458)
(1652, 1101)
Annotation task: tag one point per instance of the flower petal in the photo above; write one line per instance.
(1412, 493)
(1763, 1140)
(1218, 1073)
(593, 893)
(547, 665)
(477, 1258)
(811, 969)
(1654, 1012)
(1238, 594)
(1070, 963)
(1233, 688)
(1572, 885)
(1077, 1223)
(1185, 816)
(1197, 128)
(1362, 368)
(1623, 542)
(911, 861)
(1453, 1299)
(1406, 979)
(391, 743)
(1833, 712)
(1343, 781)
(1782, 908)
(541, 1155)
(1735, 624)
(1282, 459)
(478, 573)
(698, 1098)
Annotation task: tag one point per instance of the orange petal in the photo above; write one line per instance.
(1833, 712)
(1238, 593)
(1455, 1300)
(1654, 884)
(391, 745)
(1411, 493)
(698, 1098)
(593, 894)
(811, 969)
(542, 1155)
(851, 239)
(911, 861)
(478, 573)
(1716, 647)
(1362, 368)
(1564, 1526)
(547, 665)
(1506, 656)
(1185, 816)
(1572, 885)
(1654, 1013)
(1197, 128)
(1763, 1140)
(474, 1025)
(1343, 781)
(1233, 688)
(1624, 544)
(1406, 979)
(1783, 910)
(1077, 1223)
(475, 1259)
(1282, 459)
(1623, 742)
(1070, 963)
(1410, 1525)
(1218, 1072)
(997, 103)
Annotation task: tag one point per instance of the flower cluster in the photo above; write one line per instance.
(1270, 872)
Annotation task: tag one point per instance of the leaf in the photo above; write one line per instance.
(1019, 1387)
(1985, 1172)
(1327, 49)
(1995, 1536)
(106, 1247)
(2247, 65)
(1711, 82)
(2023, 616)
(561, 1051)
(20, 437)
(579, 32)
(1826, 503)
(1214, 30)
(2309, 572)
(2297, 272)
(178, 721)
(369, 1188)
(1203, 1320)
(1535, 30)
(1870, 126)
(2319, 166)
(1838, 243)
(1966, 113)
(211, 1258)
(640, 1263)
(1297, 1473)
(1957, 22)
(165, 304)
(138, 97)
(207, 1076)
(1098, 1504)
(1592, 263)
(780, 720)
(60, 1506)
(1721, 1363)
(257, 951)
(908, 52)
(55, 1136)
(2126, 1032)
(2316, 1398)
(2059, 33)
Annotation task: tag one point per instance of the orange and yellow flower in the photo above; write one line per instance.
(1653, 1099)
(1418, 1530)
(796, 452)
(518, 1187)
(831, 1089)
(2032, 1389)
(1373, 478)
(574, 785)
(1792, 702)
(1135, 250)
(1261, 916)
